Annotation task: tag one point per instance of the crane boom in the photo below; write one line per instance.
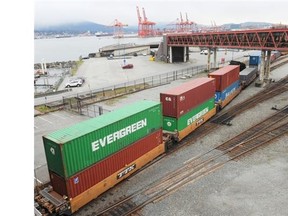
(138, 14)
(144, 15)
(181, 18)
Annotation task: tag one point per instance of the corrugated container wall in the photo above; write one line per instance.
(247, 74)
(75, 148)
(225, 76)
(180, 100)
(89, 177)
(255, 60)
(221, 96)
(172, 124)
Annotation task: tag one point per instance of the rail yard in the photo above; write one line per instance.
(166, 146)
(209, 170)
(181, 183)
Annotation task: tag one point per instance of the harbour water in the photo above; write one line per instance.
(71, 48)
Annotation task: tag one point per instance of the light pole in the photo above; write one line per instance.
(124, 56)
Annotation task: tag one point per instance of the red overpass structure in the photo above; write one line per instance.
(258, 39)
(175, 46)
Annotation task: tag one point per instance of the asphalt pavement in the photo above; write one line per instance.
(101, 72)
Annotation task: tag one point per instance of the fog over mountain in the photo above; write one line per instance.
(80, 27)
(85, 26)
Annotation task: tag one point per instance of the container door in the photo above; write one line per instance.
(53, 156)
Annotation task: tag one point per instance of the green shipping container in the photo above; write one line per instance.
(173, 124)
(75, 148)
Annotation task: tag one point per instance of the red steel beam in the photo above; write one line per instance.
(264, 39)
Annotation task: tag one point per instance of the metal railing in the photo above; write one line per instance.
(80, 102)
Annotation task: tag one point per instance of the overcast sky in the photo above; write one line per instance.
(50, 12)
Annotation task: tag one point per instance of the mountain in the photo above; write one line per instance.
(247, 25)
(84, 27)
(78, 28)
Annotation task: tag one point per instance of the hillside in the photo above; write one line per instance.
(78, 28)
(84, 27)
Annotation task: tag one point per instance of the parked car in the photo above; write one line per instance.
(205, 52)
(128, 66)
(74, 83)
(82, 78)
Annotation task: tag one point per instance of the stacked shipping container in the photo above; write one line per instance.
(107, 147)
(247, 76)
(73, 149)
(96, 173)
(225, 76)
(177, 124)
(188, 106)
(181, 99)
(227, 84)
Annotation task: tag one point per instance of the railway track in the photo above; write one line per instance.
(225, 116)
(202, 165)
(221, 118)
(269, 92)
(279, 62)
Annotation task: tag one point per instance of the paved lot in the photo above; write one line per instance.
(101, 72)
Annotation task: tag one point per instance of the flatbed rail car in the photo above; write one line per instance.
(80, 172)
(49, 202)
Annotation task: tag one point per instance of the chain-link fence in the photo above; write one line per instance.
(79, 102)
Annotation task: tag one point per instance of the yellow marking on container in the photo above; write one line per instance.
(185, 132)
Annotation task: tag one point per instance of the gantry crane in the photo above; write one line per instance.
(215, 28)
(118, 29)
(145, 27)
(190, 25)
(185, 26)
(180, 24)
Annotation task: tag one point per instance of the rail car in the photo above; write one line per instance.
(247, 76)
(227, 84)
(90, 157)
(187, 106)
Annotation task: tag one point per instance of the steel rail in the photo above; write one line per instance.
(173, 182)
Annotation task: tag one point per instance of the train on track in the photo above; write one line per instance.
(90, 157)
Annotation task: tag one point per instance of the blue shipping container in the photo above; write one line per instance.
(224, 94)
(255, 60)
